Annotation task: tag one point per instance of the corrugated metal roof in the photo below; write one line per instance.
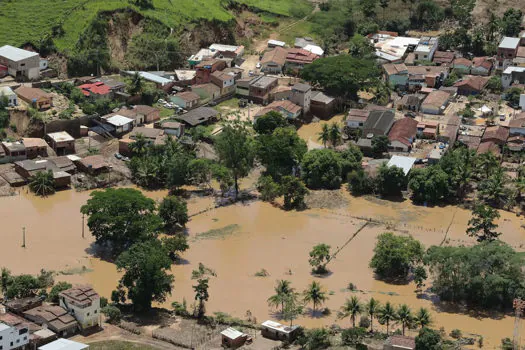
(15, 54)
(119, 120)
(405, 163)
(509, 43)
(232, 333)
(64, 344)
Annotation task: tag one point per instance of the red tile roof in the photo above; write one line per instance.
(277, 55)
(499, 133)
(300, 56)
(462, 61)
(474, 82)
(482, 62)
(403, 131)
(98, 88)
(443, 57)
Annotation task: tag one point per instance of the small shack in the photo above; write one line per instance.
(275, 330)
(232, 338)
(93, 165)
(61, 142)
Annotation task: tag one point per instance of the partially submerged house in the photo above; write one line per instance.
(61, 142)
(321, 105)
(399, 342)
(13, 151)
(288, 109)
(301, 95)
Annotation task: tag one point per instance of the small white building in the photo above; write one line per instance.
(522, 102)
(121, 124)
(275, 43)
(314, 49)
(511, 75)
(13, 337)
(20, 63)
(5, 91)
(64, 344)
(405, 163)
(275, 330)
(83, 303)
(426, 48)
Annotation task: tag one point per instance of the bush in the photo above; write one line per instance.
(13, 127)
(322, 169)
(364, 322)
(314, 339)
(112, 313)
(103, 302)
(456, 334)
(394, 256)
(57, 288)
(353, 336)
(359, 183)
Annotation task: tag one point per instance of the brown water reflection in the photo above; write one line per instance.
(265, 237)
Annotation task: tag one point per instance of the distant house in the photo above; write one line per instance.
(13, 151)
(426, 48)
(436, 102)
(94, 165)
(481, 66)
(121, 124)
(36, 98)
(152, 136)
(281, 92)
(315, 49)
(298, 58)
(356, 118)
(489, 146)
(399, 342)
(146, 114)
(428, 129)
(462, 65)
(260, 88)
(29, 168)
(507, 51)
(396, 74)
(35, 147)
(202, 55)
(402, 134)
(321, 105)
(64, 344)
(95, 90)
(13, 337)
(171, 128)
(5, 91)
(443, 57)
(229, 51)
(243, 87)
(206, 68)
(516, 143)
(185, 77)
(520, 56)
(517, 125)
(207, 92)
(471, 85)
(199, 116)
(379, 122)
(83, 303)
(274, 60)
(405, 163)
(20, 63)
(497, 134)
(232, 338)
(277, 331)
(472, 142)
(301, 95)
(303, 41)
(186, 99)
(56, 318)
(275, 43)
(225, 81)
(512, 75)
(287, 108)
(61, 142)
(411, 102)
(426, 76)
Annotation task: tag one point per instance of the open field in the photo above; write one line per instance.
(119, 345)
(26, 21)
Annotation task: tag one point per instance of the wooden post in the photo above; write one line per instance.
(23, 237)
(82, 225)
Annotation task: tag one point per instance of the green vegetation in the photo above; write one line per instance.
(394, 256)
(315, 294)
(57, 288)
(31, 21)
(322, 169)
(173, 211)
(22, 286)
(112, 313)
(145, 267)
(42, 183)
(283, 290)
(319, 257)
(428, 339)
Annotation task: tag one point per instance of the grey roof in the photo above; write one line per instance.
(31, 165)
(321, 97)
(263, 81)
(405, 163)
(198, 115)
(381, 120)
(301, 87)
(15, 54)
(509, 43)
(14, 146)
(302, 42)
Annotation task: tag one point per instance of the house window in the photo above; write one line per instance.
(95, 311)
(88, 314)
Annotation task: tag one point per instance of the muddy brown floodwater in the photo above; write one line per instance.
(238, 241)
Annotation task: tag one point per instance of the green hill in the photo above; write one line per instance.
(29, 21)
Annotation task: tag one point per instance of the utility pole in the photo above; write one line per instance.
(82, 225)
(23, 237)
(519, 306)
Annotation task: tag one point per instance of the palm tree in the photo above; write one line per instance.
(372, 308)
(387, 314)
(42, 183)
(315, 294)
(282, 291)
(135, 84)
(334, 134)
(423, 318)
(324, 135)
(404, 316)
(352, 308)
(519, 183)
(486, 163)
(140, 145)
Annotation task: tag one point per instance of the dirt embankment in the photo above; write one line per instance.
(122, 27)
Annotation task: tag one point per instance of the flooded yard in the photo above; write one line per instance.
(238, 241)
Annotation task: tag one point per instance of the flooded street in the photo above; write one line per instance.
(240, 240)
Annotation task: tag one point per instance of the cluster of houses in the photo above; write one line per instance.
(31, 323)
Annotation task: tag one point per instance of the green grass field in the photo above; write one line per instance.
(23, 21)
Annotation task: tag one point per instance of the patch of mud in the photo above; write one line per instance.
(325, 199)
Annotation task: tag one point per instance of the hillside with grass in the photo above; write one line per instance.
(30, 21)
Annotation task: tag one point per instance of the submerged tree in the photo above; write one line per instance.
(319, 257)
(283, 290)
(314, 294)
(351, 308)
(482, 225)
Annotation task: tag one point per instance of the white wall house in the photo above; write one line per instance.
(84, 304)
(426, 48)
(20, 63)
(511, 75)
(5, 91)
(13, 337)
